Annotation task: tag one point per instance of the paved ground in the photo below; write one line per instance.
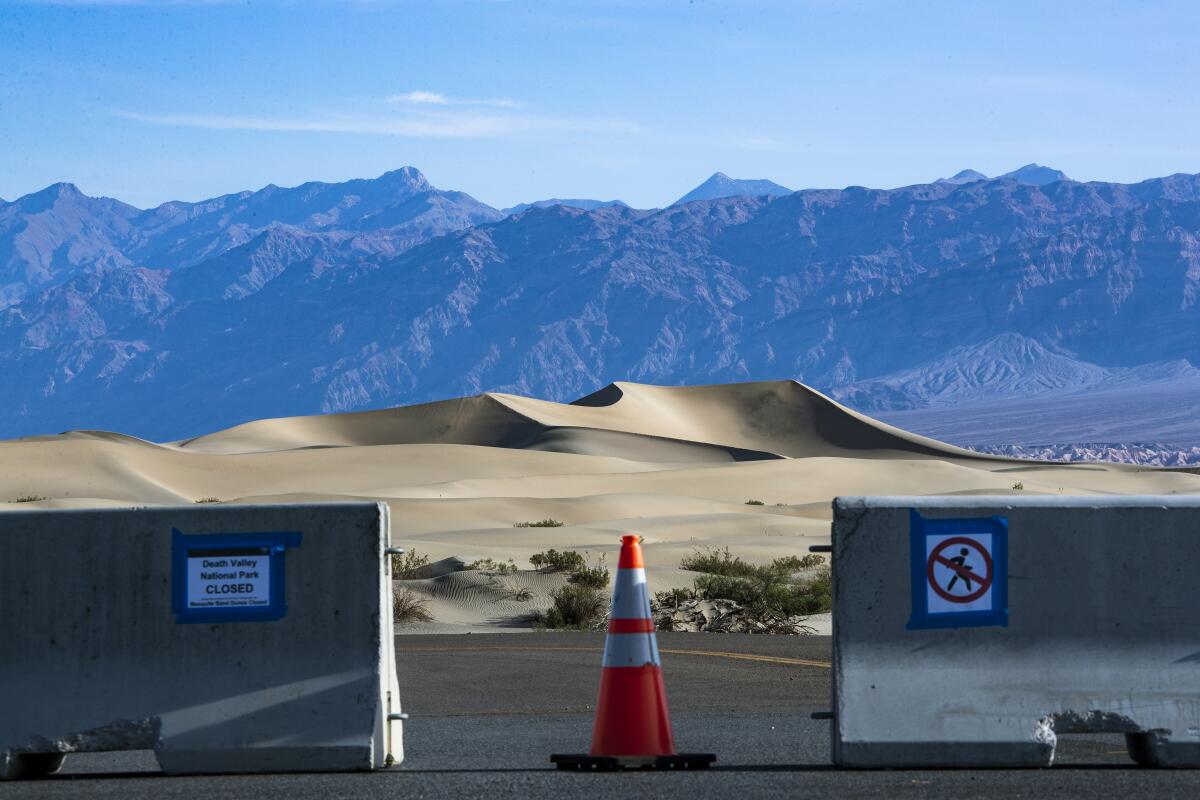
(487, 711)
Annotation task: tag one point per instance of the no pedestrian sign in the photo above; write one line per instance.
(959, 572)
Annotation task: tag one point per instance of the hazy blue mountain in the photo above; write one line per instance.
(721, 185)
(1032, 174)
(586, 205)
(925, 294)
(52, 235)
(57, 232)
(401, 202)
(964, 176)
(1003, 366)
(1035, 175)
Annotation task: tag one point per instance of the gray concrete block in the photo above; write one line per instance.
(97, 656)
(1100, 636)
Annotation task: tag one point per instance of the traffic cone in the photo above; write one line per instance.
(633, 725)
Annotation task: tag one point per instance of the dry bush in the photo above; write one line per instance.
(768, 589)
(492, 565)
(409, 607)
(406, 565)
(574, 607)
(595, 577)
(554, 561)
(718, 562)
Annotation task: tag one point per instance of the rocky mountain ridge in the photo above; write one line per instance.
(53, 235)
(196, 316)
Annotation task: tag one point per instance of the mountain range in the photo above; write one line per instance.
(52, 235)
(172, 321)
(586, 205)
(1032, 174)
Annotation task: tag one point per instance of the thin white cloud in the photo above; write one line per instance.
(762, 143)
(419, 98)
(442, 125)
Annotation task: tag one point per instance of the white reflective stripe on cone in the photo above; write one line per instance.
(630, 597)
(630, 650)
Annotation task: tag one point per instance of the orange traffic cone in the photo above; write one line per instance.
(633, 725)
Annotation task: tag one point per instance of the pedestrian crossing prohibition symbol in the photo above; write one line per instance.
(959, 572)
(957, 556)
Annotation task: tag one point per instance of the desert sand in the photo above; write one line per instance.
(676, 465)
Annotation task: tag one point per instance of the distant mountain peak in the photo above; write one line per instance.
(409, 176)
(57, 190)
(66, 195)
(721, 185)
(964, 176)
(1036, 175)
(582, 203)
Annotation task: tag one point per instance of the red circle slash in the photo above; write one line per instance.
(984, 580)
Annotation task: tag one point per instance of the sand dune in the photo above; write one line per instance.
(674, 464)
(731, 422)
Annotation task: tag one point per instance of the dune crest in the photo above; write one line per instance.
(685, 424)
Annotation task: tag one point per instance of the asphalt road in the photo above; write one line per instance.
(488, 710)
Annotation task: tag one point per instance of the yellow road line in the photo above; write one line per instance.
(792, 662)
(795, 662)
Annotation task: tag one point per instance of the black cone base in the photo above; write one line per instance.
(586, 763)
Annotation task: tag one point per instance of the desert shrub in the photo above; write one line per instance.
(767, 589)
(209, 500)
(554, 561)
(595, 577)
(798, 563)
(29, 498)
(723, 562)
(755, 503)
(718, 562)
(491, 565)
(548, 522)
(816, 594)
(770, 593)
(574, 607)
(1018, 487)
(522, 595)
(409, 607)
(406, 565)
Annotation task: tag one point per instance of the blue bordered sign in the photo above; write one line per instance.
(229, 577)
(959, 572)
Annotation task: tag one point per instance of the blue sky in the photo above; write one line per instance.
(513, 101)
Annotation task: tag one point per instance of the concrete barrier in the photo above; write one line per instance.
(225, 638)
(972, 631)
